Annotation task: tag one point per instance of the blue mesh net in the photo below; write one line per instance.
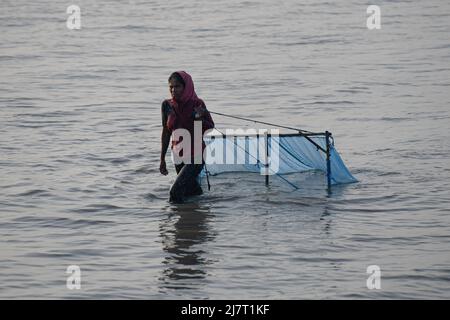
(286, 154)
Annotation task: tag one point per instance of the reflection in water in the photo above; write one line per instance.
(184, 234)
(335, 193)
(327, 220)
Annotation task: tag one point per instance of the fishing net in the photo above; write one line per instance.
(276, 155)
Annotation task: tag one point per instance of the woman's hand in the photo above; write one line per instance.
(163, 168)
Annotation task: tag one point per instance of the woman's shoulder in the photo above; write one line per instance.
(200, 103)
(166, 105)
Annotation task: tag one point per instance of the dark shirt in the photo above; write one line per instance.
(185, 119)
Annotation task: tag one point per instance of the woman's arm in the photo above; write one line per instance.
(165, 139)
(208, 122)
(203, 114)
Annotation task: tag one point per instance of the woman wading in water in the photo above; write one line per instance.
(180, 112)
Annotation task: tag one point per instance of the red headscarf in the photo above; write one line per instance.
(185, 106)
(189, 91)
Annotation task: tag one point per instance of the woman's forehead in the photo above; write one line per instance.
(175, 82)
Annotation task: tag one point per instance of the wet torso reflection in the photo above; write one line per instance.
(185, 233)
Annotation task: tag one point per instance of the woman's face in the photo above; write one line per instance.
(176, 89)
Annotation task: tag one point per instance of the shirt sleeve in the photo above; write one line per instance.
(208, 122)
(165, 110)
